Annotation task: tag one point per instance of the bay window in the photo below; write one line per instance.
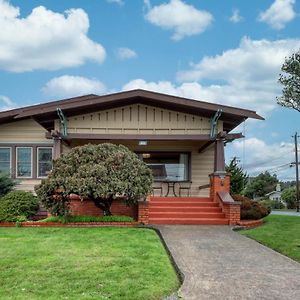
(44, 161)
(24, 162)
(5, 160)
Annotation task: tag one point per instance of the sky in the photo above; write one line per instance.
(228, 52)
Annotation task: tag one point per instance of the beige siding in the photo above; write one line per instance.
(139, 119)
(27, 185)
(202, 164)
(24, 131)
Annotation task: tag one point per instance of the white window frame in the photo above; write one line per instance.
(10, 159)
(31, 148)
(37, 160)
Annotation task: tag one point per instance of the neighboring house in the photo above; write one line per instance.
(181, 140)
(275, 195)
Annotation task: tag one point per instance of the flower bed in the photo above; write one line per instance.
(71, 224)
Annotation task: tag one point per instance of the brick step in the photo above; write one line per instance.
(180, 199)
(183, 204)
(188, 215)
(189, 221)
(184, 209)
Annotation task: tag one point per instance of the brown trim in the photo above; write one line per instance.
(219, 160)
(45, 113)
(205, 146)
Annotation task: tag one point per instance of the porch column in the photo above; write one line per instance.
(219, 179)
(57, 147)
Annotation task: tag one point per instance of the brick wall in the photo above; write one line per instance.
(88, 208)
(143, 212)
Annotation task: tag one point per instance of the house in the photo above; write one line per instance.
(275, 195)
(182, 141)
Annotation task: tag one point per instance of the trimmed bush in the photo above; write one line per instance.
(88, 219)
(18, 205)
(250, 209)
(6, 184)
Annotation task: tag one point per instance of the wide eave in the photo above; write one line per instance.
(45, 114)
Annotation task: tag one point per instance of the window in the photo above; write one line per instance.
(5, 160)
(171, 166)
(24, 162)
(44, 159)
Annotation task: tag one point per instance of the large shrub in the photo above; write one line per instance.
(101, 173)
(18, 205)
(251, 210)
(6, 184)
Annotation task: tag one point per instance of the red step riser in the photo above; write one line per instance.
(179, 199)
(176, 215)
(185, 209)
(192, 204)
(189, 221)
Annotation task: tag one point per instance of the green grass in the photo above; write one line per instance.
(281, 233)
(84, 263)
(69, 219)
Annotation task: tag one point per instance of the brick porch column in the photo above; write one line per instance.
(143, 211)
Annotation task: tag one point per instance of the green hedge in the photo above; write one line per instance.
(18, 206)
(74, 219)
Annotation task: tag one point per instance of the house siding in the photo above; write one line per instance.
(139, 119)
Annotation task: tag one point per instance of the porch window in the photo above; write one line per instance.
(24, 162)
(173, 166)
(44, 156)
(5, 160)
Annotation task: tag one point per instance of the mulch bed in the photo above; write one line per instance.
(75, 224)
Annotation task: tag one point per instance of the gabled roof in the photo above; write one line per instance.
(46, 113)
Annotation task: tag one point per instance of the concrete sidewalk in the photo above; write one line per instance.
(219, 263)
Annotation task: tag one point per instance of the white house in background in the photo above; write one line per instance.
(275, 195)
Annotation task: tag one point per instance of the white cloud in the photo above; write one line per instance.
(235, 17)
(6, 103)
(125, 53)
(45, 40)
(119, 2)
(176, 15)
(278, 14)
(260, 156)
(69, 86)
(147, 4)
(245, 76)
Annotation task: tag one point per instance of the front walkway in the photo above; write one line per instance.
(219, 263)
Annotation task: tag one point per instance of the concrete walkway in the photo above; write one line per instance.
(285, 213)
(219, 263)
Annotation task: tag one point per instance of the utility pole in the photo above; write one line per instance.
(297, 170)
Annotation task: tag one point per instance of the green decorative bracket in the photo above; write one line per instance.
(214, 123)
(63, 122)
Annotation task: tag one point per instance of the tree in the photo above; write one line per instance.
(291, 82)
(260, 185)
(289, 197)
(238, 179)
(101, 173)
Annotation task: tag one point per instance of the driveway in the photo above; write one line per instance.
(218, 263)
(285, 213)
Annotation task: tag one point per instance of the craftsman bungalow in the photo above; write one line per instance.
(181, 140)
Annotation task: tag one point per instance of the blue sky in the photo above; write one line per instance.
(227, 52)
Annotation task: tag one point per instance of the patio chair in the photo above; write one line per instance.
(185, 186)
(157, 186)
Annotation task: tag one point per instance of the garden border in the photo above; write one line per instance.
(71, 224)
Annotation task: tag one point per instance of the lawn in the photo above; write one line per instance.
(281, 233)
(84, 263)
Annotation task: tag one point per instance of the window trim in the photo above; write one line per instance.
(189, 153)
(24, 177)
(10, 158)
(37, 160)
